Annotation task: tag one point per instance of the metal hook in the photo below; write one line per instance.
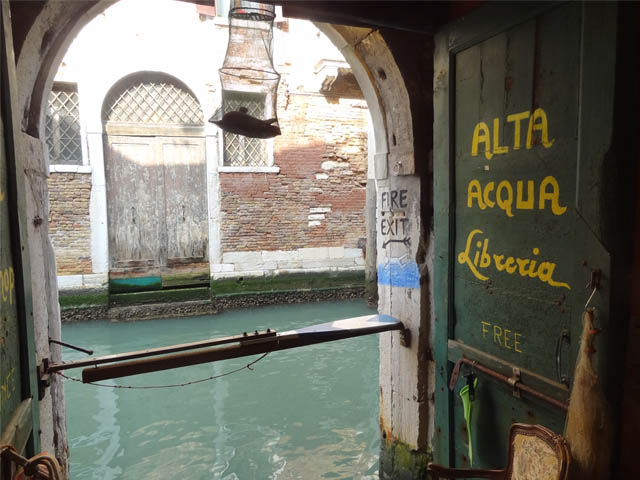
(586, 305)
(594, 282)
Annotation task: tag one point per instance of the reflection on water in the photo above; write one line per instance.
(307, 413)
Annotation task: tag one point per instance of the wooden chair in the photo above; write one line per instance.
(535, 453)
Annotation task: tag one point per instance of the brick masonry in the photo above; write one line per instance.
(318, 198)
(311, 213)
(69, 226)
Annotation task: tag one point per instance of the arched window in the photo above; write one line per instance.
(152, 98)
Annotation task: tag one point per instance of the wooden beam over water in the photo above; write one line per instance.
(177, 356)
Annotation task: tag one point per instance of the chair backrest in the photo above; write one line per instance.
(536, 453)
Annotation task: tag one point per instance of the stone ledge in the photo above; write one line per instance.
(206, 307)
(82, 281)
(223, 169)
(69, 168)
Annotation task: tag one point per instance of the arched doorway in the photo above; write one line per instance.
(388, 99)
(155, 172)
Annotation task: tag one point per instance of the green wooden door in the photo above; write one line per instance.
(18, 384)
(10, 368)
(514, 249)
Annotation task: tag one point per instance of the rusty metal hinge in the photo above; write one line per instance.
(44, 377)
(514, 380)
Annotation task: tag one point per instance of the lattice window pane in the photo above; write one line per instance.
(62, 126)
(154, 102)
(241, 151)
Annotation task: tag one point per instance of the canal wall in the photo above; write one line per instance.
(212, 306)
(99, 304)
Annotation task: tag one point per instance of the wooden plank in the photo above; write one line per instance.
(150, 352)
(186, 197)
(443, 136)
(10, 363)
(331, 331)
(18, 429)
(347, 326)
(135, 201)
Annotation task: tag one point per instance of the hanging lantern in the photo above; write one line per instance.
(248, 79)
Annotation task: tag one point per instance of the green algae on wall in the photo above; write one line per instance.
(287, 282)
(293, 282)
(398, 461)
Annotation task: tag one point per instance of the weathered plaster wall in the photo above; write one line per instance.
(312, 194)
(396, 91)
(46, 311)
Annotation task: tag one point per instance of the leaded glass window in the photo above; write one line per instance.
(241, 151)
(62, 125)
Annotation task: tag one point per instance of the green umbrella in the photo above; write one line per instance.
(467, 394)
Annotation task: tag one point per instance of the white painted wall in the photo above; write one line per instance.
(169, 36)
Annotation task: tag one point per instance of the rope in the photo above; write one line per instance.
(146, 387)
(31, 467)
(49, 462)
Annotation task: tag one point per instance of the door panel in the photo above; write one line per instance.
(157, 209)
(10, 371)
(186, 205)
(513, 254)
(135, 202)
(499, 198)
(186, 211)
(19, 388)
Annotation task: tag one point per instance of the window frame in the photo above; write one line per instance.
(268, 166)
(55, 164)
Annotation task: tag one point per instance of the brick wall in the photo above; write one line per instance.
(318, 198)
(69, 226)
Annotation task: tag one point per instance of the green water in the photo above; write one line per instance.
(306, 413)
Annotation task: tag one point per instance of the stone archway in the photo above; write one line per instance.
(406, 374)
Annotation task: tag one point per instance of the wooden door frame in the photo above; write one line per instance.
(156, 136)
(18, 232)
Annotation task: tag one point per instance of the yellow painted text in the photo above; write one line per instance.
(7, 285)
(476, 257)
(537, 130)
(501, 336)
(7, 388)
(507, 198)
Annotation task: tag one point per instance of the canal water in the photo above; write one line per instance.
(306, 413)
